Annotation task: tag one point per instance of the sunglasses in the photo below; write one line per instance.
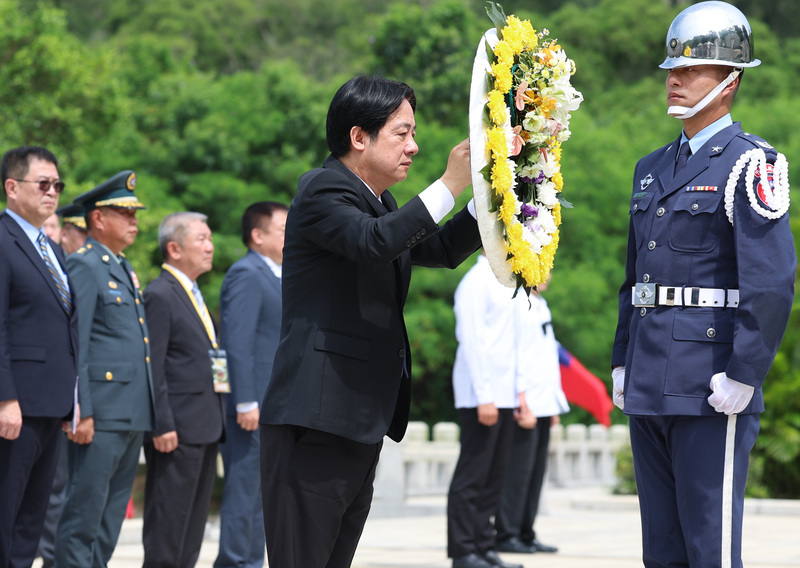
(45, 185)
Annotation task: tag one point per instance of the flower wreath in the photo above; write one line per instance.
(516, 131)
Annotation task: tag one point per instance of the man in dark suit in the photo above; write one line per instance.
(38, 350)
(115, 382)
(342, 373)
(250, 310)
(182, 452)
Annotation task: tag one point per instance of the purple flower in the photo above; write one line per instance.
(540, 177)
(529, 211)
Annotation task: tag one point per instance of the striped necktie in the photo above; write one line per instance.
(62, 289)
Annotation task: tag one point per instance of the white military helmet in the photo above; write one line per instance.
(710, 33)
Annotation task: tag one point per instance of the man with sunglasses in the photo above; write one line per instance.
(115, 378)
(38, 349)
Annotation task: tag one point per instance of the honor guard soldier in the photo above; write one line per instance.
(709, 283)
(115, 380)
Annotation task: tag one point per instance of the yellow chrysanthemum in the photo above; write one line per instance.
(502, 77)
(502, 179)
(507, 209)
(555, 151)
(504, 53)
(512, 34)
(497, 143)
(529, 35)
(547, 255)
(558, 180)
(557, 214)
(497, 107)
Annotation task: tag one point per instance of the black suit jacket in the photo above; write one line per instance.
(38, 339)
(343, 363)
(182, 379)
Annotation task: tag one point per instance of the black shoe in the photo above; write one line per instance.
(537, 546)
(494, 560)
(471, 560)
(514, 545)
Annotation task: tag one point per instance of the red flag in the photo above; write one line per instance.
(583, 388)
(130, 510)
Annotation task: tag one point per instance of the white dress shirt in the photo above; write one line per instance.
(491, 364)
(545, 397)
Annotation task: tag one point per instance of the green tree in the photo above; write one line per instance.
(55, 92)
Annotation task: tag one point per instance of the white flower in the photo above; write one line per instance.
(534, 122)
(530, 171)
(531, 237)
(546, 194)
(547, 222)
(550, 167)
(564, 135)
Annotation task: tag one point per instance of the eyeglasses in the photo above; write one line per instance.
(45, 184)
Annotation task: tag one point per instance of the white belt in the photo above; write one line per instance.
(650, 294)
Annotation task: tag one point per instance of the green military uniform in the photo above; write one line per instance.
(115, 389)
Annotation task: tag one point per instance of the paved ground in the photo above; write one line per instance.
(592, 529)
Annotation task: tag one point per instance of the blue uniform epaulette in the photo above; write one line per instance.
(757, 141)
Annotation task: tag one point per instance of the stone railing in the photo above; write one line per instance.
(423, 464)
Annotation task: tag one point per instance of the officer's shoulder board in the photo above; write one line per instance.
(757, 141)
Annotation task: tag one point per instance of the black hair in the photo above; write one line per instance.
(17, 161)
(367, 102)
(255, 213)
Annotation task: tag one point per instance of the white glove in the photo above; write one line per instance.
(729, 396)
(618, 391)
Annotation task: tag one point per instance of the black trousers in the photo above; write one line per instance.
(177, 494)
(477, 482)
(27, 466)
(522, 489)
(316, 489)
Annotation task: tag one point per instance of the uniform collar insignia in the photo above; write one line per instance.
(647, 180)
(716, 149)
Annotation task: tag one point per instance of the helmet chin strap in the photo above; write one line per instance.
(682, 112)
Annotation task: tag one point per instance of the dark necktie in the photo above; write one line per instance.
(683, 155)
(62, 289)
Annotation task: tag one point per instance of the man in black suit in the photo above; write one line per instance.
(250, 314)
(38, 350)
(341, 378)
(182, 452)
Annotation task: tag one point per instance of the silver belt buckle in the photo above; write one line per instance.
(645, 294)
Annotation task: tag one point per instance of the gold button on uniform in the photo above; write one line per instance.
(141, 321)
(109, 375)
(137, 300)
(146, 340)
(119, 300)
(147, 358)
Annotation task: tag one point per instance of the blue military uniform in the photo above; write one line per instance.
(115, 389)
(717, 269)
